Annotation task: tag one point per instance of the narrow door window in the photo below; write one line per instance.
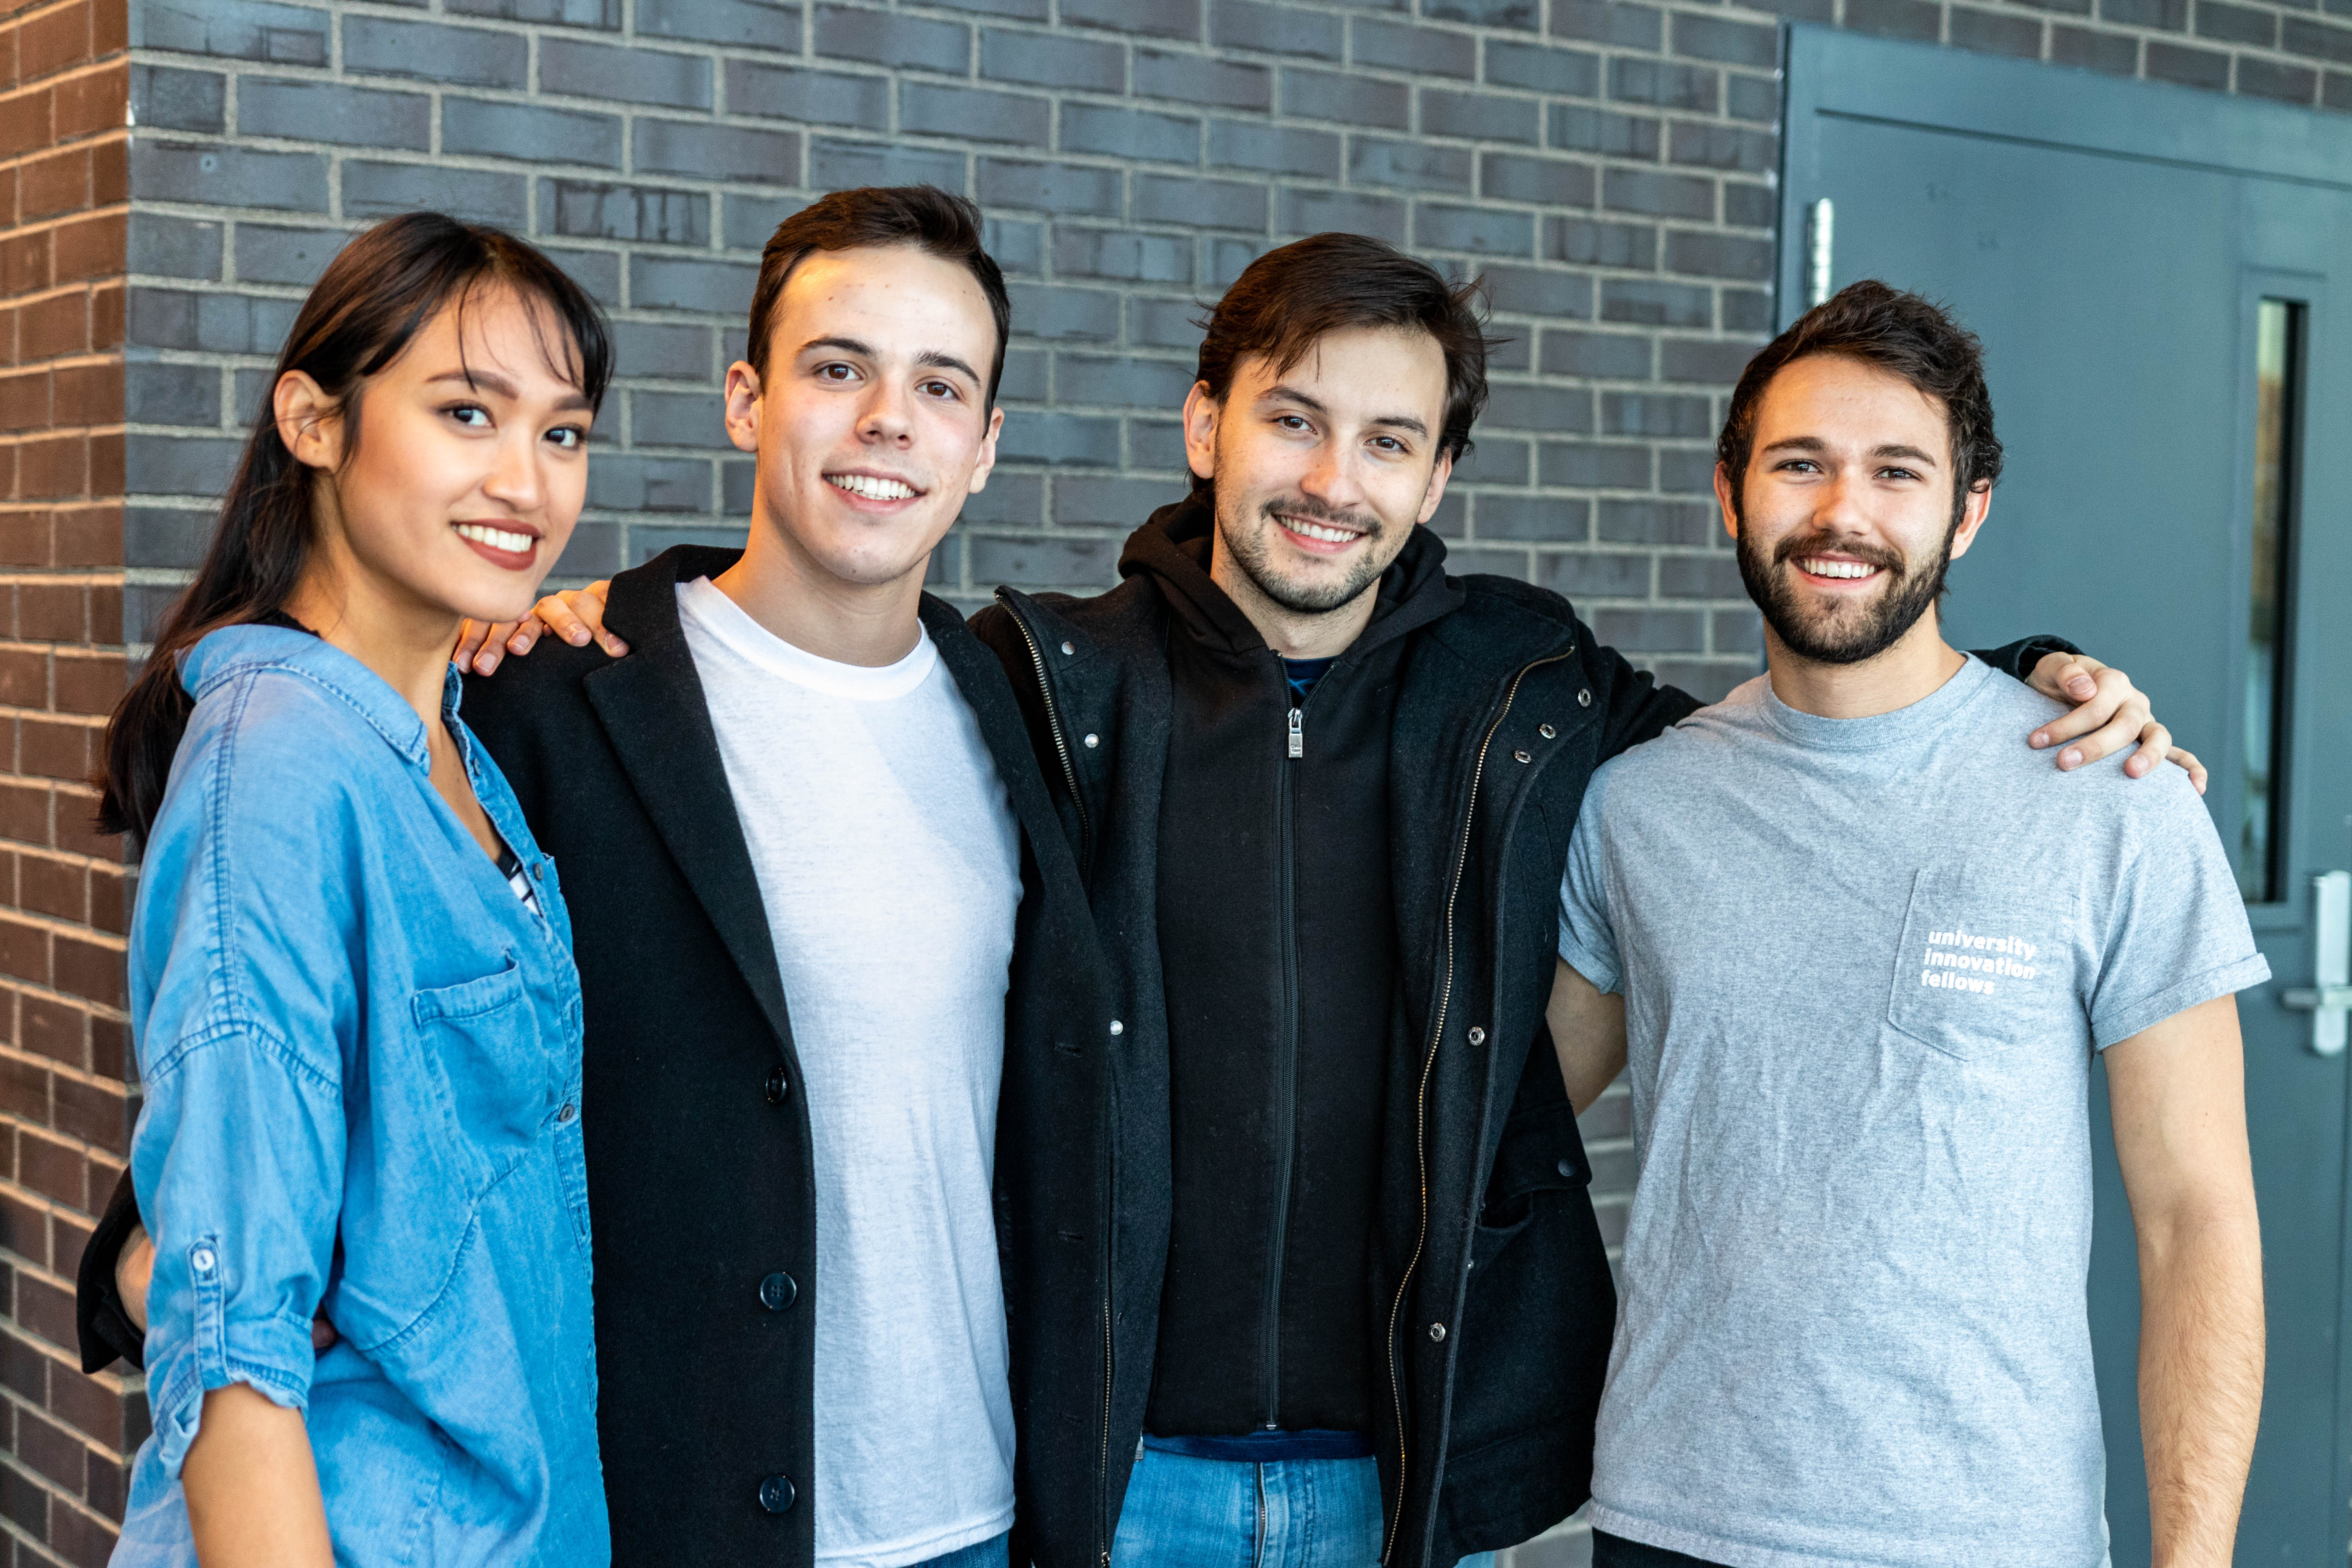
(2278, 332)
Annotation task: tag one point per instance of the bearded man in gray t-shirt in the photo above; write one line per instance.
(1860, 950)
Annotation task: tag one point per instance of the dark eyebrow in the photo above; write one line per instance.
(473, 378)
(501, 386)
(1815, 444)
(937, 360)
(1292, 394)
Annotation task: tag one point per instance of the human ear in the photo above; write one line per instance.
(1972, 518)
(987, 461)
(1724, 498)
(1202, 412)
(309, 421)
(1438, 475)
(743, 405)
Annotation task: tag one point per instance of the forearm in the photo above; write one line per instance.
(253, 1486)
(2200, 1379)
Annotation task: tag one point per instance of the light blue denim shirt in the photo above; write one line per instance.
(360, 1054)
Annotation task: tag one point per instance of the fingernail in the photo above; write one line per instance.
(577, 638)
(2069, 757)
(2041, 738)
(2082, 686)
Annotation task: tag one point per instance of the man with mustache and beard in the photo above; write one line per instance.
(1355, 1303)
(1861, 952)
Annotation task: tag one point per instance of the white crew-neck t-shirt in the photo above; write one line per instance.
(890, 862)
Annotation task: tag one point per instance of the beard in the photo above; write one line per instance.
(1251, 549)
(1845, 633)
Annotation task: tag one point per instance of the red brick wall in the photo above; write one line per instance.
(65, 1109)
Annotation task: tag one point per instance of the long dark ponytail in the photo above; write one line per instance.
(383, 287)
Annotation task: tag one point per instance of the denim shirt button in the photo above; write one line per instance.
(776, 1494)
(202, 1260)
(564, 1116)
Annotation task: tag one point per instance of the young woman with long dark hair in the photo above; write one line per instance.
(357, 1020)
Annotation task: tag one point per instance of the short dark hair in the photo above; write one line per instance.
(1290, 296)
(1901, 333)
(931, 220)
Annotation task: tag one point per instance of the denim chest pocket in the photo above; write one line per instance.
(481, 1042)
(1984, 963)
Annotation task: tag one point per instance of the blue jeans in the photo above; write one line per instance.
(1183, 1512)
(978, 1555)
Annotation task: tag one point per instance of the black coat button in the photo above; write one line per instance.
(776, 1494)
(776, 1085)
(777, 1291)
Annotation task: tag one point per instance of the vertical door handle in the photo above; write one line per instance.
(1821, 251)
(2330, 999)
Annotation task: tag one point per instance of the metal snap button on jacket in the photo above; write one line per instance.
(1477, 1035)
(776, 1494)
(1437, 1333)
(776, 1085)
(778, 1291)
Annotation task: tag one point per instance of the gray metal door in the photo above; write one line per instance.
(2163, 281)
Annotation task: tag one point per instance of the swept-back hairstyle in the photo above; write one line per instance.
(929, 218)
(361, 315)
(1290, 296)
(1900, 333)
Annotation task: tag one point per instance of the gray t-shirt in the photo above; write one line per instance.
(1866, 963)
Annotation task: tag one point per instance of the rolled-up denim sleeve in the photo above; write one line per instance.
(239, 1162)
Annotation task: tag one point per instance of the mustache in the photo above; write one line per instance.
(1314, 510)
(1821, 544)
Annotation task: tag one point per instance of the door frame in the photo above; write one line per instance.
(1830, 74)
(1827, 71)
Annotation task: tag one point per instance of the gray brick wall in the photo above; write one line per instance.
(1608, 167)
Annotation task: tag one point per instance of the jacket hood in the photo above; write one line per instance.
(1172, 550)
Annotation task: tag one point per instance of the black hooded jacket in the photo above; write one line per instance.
(1463, 727)
(1278, 964)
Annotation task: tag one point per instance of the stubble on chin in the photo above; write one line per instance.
(1250, 542)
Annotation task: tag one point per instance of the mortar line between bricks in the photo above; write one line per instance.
(26, 1542)
(50, 1488)
(98, 1010)
(65, 76)
(79, 931)
(41, 1271)
(57, 1418)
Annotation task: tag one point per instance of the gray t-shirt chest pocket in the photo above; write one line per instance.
(1985, 963)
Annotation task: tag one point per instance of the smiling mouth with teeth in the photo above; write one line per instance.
(1328, 535)
(868, 487)
(1814, 567)
(505, 539)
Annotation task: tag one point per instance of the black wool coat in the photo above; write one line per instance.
(1488, 1281)
(699, 1175)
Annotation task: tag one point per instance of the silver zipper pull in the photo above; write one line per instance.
(1298, 733)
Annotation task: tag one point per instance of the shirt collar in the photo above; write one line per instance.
(231, 650)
